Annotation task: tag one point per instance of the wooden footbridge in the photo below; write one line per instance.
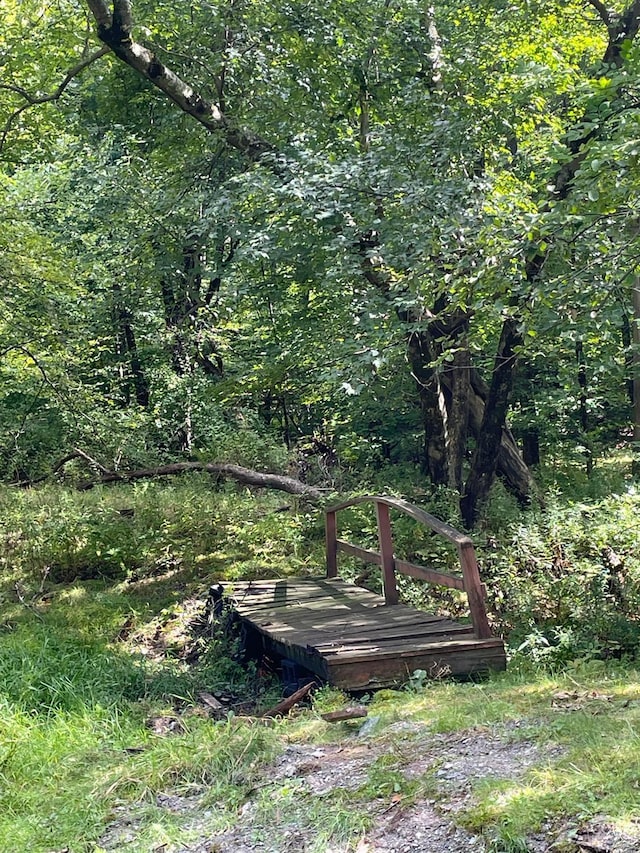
(357, 640)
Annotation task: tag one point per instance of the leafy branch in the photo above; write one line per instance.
(115, 30)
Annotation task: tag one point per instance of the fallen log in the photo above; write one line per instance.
(247, 476)
(242, 475)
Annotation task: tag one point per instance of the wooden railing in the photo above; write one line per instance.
(469, 582)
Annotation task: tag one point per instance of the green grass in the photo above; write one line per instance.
(597, 733)
(74, 739)
(76, 750)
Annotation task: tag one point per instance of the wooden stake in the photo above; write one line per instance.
(288, 703)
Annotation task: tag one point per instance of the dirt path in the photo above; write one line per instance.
(407, 786)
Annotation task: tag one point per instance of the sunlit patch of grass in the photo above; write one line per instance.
(598, 731)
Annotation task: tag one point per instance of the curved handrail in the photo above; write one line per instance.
(469, 582)
(412, 511)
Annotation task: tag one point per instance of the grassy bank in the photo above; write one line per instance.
(102, 658)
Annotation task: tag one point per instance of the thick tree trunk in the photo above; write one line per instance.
(442, 372)
(510, 464)
(453, 407)
(485, 458)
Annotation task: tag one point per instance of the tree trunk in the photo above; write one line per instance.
(636, 374)
(531, 446)
(510, 465)
(485, 458)
(128, 349)
(183, 300)
(458, 421)
(421, 357)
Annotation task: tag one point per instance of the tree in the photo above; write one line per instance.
(360, 185)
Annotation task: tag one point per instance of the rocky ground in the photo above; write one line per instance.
(437, 773)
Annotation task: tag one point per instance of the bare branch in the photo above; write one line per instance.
(35, 100)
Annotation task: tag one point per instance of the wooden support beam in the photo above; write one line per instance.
(475, 591)
(386, 552)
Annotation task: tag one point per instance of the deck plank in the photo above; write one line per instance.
(352, 638)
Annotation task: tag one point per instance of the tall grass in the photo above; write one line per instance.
(76, 695)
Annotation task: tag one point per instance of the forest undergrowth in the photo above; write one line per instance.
(103, 660)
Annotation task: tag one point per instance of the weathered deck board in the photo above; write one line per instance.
(352, 638)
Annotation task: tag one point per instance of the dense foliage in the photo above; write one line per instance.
(364, 234)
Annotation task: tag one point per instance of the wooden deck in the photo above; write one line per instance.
(354, 639)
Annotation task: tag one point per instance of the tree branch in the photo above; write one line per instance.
(115, 31)
(100, 11)
(35, 100)
(122, 17)
(247, 476)
(602, 10)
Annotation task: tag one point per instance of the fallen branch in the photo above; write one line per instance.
(353, 713)
(76, 453)
(28, 604)
(243, 475)
(247, 476)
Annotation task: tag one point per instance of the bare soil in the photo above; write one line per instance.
(445, 768)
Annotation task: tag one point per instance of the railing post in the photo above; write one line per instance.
(331, 538)
(386, 552)
(475, 591)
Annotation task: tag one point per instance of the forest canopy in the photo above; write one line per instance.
(315, 238)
